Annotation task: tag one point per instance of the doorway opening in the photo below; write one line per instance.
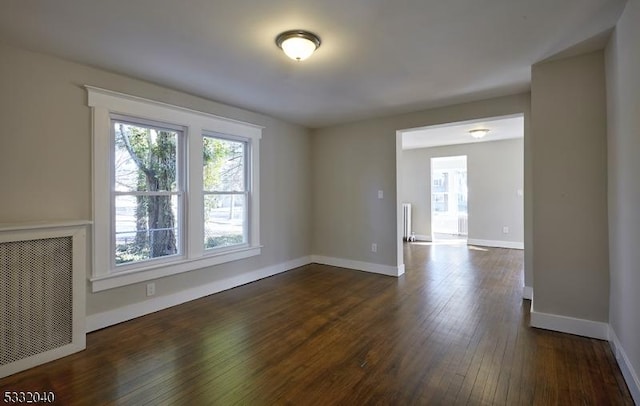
(449, 210)
(494, 151)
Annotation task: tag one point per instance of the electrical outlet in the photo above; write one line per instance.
(505, 230)
(380, 194)
(374, 247)
(151, 289)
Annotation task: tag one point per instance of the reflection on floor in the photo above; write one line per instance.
(452, 330)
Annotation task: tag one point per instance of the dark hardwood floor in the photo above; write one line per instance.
(452, 330)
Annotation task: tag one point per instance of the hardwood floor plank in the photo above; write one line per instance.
(453, 330)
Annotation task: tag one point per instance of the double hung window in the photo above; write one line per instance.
(148, 190)
(174, 189)
(225, 191)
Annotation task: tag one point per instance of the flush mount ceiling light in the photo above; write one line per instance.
(478, 133)
(298, 44)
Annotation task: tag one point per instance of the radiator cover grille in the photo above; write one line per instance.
(36, 279)
(42, 293)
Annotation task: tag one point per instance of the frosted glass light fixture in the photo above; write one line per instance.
(298, 44)
(479, 132)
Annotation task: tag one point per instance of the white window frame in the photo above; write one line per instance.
(104, 104)
(181, 169)
(247, 192)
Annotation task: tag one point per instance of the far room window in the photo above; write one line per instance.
(226, 191)
(147, 191)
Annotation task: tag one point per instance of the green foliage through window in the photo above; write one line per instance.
(225, 191)
(146, 185)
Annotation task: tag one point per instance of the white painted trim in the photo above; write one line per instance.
(564, 324)
(100, 96)
(423, 237)
(359, 265)
(104, 274)
(399, 210)
(629, 373)
(121, 314)
(36, 231)
(496, 243)
(527, 292)
(156, 271)
(5, 227)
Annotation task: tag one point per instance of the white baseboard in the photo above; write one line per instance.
(422, 237)
(564, 324)
(120, 314)
(358, 265)
(592, 329)
(629, 373)
(496, 243)
(527, 292)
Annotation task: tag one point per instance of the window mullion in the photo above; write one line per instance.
(194, 186)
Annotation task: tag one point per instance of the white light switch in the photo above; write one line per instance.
(380, 194)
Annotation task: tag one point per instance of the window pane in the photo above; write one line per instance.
(440, 202)
(440, 182)
(224, 165)
(145, 158)
(224, 218)
(146, 227)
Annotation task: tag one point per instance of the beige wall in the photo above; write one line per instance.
(568, 127)
(45, 162)
(623, 102)
(495, 173)
(351, 162)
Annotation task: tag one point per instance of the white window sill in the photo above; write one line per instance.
(118, 279)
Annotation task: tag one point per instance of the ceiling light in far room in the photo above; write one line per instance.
(298, 44)
(479, 132)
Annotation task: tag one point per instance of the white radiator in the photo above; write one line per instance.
(406, 221)
(463, 224)
(42, 294)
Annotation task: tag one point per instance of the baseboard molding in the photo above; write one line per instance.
(496, 243)
(592, 329)
(121, 314)
(421, 237)
(527, 292)
(570, 325)
(629, 373)
(358, 265)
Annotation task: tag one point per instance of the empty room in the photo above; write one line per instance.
(217, 202)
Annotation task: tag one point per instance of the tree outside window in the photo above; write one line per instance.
(147, 192)
(226, 192)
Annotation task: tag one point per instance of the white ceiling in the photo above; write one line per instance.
(500, 128)
(377, 57)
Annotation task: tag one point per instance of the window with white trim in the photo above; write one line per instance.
(225, 191)
(174, 189)
(147, 191)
